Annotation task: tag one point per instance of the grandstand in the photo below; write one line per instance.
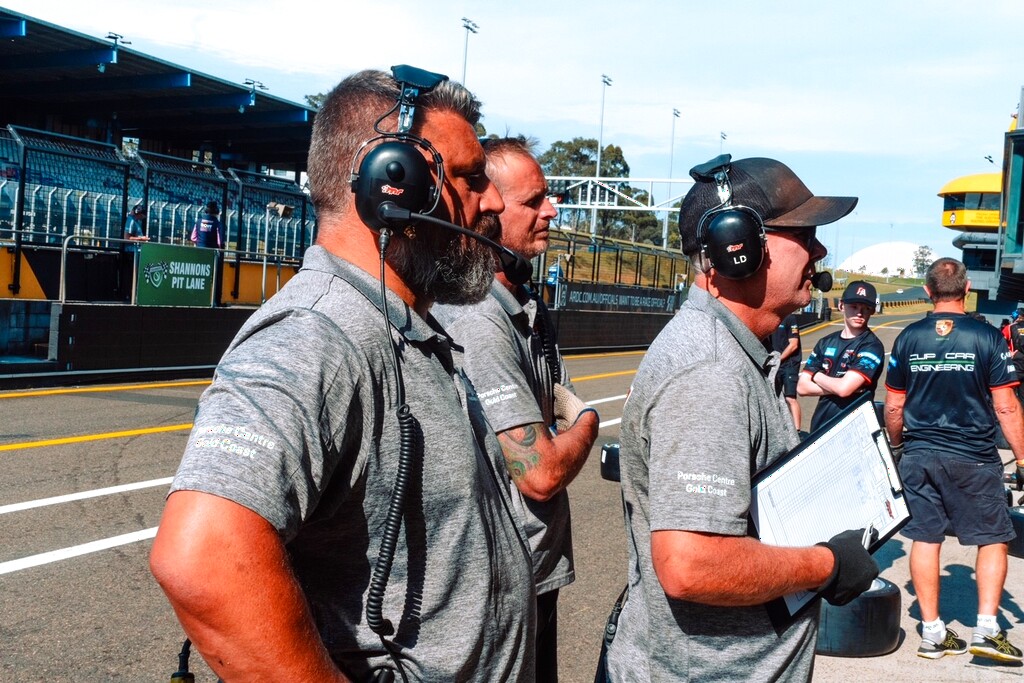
(90, 129)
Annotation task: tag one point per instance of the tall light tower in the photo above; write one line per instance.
(470, 27)
(671, 153)
(605, 82)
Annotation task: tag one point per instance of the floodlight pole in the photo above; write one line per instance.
(671, 153)
(470, 27)
(605, 81)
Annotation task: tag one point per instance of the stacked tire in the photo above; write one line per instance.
(869, 626)
(1016, 546)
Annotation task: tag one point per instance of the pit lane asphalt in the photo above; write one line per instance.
(75, 610)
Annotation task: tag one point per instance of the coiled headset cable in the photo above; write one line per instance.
(408, 449)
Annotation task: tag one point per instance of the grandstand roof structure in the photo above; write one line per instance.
(58, 80)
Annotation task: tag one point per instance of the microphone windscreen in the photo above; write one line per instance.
(517, 269)
(822, 281)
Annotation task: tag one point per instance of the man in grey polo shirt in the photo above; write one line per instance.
(270, 541)
(523, 385)
(705, 413)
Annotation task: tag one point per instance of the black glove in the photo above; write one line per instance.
(854, 569)
(1020, 477)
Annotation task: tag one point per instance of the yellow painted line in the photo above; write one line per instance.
(609, 354)
(94, 437)
(603, 375)
(817, 327)
(903, 320)
(92, 390)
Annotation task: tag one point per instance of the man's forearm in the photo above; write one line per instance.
(734, 571)
(844, 386)
(226, 574)
(894, 422)
(1011, 422)
(541, 465)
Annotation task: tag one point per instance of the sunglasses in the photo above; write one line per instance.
(805, 236)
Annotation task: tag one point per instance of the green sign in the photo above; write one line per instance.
(176, 276)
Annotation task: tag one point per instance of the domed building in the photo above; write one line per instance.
(888, 256)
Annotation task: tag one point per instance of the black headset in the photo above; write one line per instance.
(395, 172)
(731, 236)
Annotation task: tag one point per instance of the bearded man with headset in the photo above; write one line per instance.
(271, 541)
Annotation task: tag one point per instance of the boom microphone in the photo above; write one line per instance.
(822, 281)
(517, 269)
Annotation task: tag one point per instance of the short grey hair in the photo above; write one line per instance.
(346, 120)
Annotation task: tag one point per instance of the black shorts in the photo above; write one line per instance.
(790, 376)
(946, 491)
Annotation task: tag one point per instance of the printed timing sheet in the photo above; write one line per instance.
(842, 477)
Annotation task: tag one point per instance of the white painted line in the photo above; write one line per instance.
(75, 551)
(606, 400)
(82, 495)
(609, 423)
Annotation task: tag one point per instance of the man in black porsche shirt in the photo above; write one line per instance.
(847, 363)
(950, 378)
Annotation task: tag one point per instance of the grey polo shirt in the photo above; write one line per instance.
(300, 426)
(705, 413)
(505, 362)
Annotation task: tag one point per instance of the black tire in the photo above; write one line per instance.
(1016, 546)
(610, 462)
(867, 627)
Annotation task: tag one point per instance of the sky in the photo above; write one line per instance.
(879, 99)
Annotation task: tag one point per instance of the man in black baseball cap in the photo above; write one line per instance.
(697, 585)
(846, 363)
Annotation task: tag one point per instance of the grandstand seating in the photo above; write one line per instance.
(78, 187)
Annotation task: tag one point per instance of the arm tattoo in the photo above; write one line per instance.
(519, 448)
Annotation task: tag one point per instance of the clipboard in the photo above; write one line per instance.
(843, 476)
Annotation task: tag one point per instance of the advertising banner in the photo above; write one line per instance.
(594, 297)
(175, 276)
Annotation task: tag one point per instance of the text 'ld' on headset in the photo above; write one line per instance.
(393, 183)
(732, 236)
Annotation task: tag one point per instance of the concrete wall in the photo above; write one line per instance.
(24, 327)
(608, 330)
(96, 337)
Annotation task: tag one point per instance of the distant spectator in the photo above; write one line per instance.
(1015, 337)
(135, 226)
(208, 230)
(786, 340)
(847, 363)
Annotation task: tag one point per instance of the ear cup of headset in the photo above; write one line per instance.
(395, 172)
(734, 242)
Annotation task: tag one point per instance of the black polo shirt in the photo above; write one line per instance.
(947, 365)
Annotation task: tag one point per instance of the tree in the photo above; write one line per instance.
(885, 272)
(578, 157)
(316, 101)
(922, 259)
(901, 271)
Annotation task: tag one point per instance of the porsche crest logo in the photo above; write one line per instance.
(943, 327)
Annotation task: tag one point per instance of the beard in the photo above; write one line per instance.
(443, 266)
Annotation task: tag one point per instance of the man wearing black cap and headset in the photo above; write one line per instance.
(699, 581)
(846, 363)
